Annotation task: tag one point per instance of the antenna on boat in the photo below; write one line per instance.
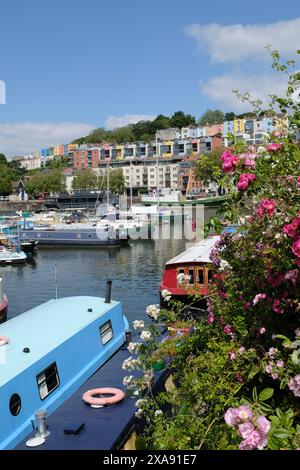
(56, 283)
(108, 291)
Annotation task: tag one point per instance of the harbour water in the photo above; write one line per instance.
(135, 268)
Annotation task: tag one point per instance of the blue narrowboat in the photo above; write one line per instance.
(46, 355)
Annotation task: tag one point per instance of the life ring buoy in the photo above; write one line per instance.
(3, 340)
(90, 398)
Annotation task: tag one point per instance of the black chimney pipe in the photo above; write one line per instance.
(108, 291)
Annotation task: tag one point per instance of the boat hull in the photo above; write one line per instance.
(3, 310)
(69, 238)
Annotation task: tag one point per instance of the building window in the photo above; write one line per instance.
(200, 277)
(191, 274)
(15, 404)
(106, 332)
(48, 381)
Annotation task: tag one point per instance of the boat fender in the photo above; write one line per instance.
(3, 340)
(90, 397)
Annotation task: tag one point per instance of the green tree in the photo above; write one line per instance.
(180, 119)
(85, 179)
(61, 162)
(208, 167)
(116, 181)
(3, 160)
(7, 176)
(211, 117)
(161, 122)
(229, 116)
(45, 182)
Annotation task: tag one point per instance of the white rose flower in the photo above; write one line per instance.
(130, 364)
(145, 335)
(166, 295)
(158, 412)
(138, 324)
(139, 413)
(153, 311)
(133, 348)
(140, 403)
(127, 380)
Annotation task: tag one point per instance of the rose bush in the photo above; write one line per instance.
(245, 358)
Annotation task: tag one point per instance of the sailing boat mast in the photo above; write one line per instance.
(107, 187)
(157, 176)
(131, 171)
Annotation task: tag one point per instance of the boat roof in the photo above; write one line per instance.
(44, 328)
(197, 253)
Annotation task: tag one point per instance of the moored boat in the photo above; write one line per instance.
(11, 256)
(3, 304)
(53, 349)
(189, 272)
(72, 234)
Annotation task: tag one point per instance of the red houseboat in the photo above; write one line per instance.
(3, 304)
(193, 263)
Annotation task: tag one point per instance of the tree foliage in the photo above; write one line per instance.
(230, 116)
(179, 119)
(211, 117)
(45, 182)
(8, 173)
(141, 131)
(85, 179)
(3, 160)
(208, 168)
(61, 162)
(116, 181)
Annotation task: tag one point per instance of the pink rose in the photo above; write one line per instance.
(258, 298)
(210, 318)
(244, 412)
(245, 429)
(296, 248)
(231, 417)
(244, 180)
(228, 329)
(263, 424)
(273, 147)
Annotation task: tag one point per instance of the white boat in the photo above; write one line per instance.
(11, 256)
(163, 196)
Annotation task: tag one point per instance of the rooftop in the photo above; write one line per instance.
(197, 253)
(44, 328)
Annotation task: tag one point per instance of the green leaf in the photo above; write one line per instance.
(254, 394)
(266, 394)
(281, 434)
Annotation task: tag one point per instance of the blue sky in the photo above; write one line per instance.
(70, 66)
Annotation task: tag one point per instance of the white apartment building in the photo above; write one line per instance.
(30, 163)
(147, 174)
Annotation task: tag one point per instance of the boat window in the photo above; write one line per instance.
(106, 332)
(15, 404)
(48, 381)
(200, 279)
(191, 274)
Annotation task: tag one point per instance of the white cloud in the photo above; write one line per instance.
(219, 89)
(237, 42)
(24, 138)
(113, 122)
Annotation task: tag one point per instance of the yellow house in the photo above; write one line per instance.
(168, 147)
(239, 126)
(119, 152)
(72, 147)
